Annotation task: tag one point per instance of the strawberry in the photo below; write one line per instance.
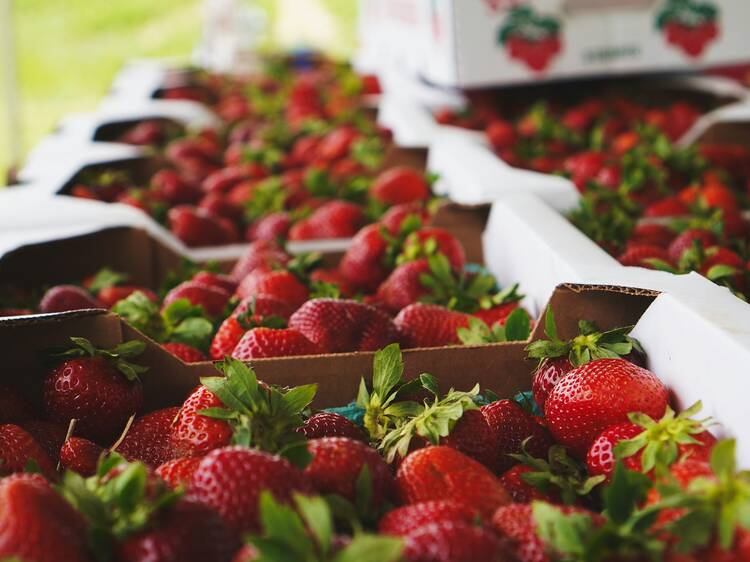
(399, 185)
(443, 473)
(642, 255)
(279, 284)
(685, 240)
(178, 472)
(184, 352)
(80, 455)
(330, 424)
(432, 240)
(722, 264)
(148, 439)
(270, 228)
(194, 434)
(652, 234)
(335, 219)
(37, 524)
(258, 253)
(198, 227)
(453, 541)
(337, 325)
(336, 144)
(407, 518)
(220, 206)
(174, 188)
(96, 387)
(643, 443)
(214, 416)
(513, 428)
(364, 264)
(403, 286)
(501, 134)
(429, 325)
(557, 357)
(600, 394)
(185, 531)
(230, 481)
(395, 218)
(212, 299)
(521, 491)
(218, 280)
(18, 449)
(667, 207)
(62, 298)
(145, 133)
(337, 466)
(274, 342)
(224, 179)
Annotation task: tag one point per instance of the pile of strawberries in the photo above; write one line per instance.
(591, 464)
(401, 280)
(645, 199)
(298, 157)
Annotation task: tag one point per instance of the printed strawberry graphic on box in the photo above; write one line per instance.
(531, 38)
(689, 25)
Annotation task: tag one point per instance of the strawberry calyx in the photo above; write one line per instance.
(306, 531)
(249, 319)
(302, 265)
(660, 440)
(712, 508)
(180, 322)
(120, 500)
(117, 356)
(626, 532)
(463, 292)
(559, 474)
(262, 417)
(383, 406)
(269, 196)
(395, 243)
(368, 151)
(434, 419)
(588, 345)
(517, 327)
(105, 278)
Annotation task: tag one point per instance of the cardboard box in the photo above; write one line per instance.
(501, 42)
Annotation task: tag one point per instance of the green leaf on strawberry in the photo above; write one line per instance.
(118, 356)
(106, 278)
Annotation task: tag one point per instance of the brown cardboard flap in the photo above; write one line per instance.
(608, 306)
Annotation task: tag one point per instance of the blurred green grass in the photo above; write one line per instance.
(68, 52)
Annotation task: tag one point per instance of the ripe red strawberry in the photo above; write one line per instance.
(393, 219)
(148, 439)
(258, 253)
(50, 436)
(336, 144)
(364, 263)
(452, 541)
(80, 455)
(212, 299)
(170, 186)
(637, 255)
(546, 376)
(600, 394)
(667, 207)
(429, 325)
(271, 228)
(644, 443)
(400, 185)
(330, 424)
(99, 388)
(224, 179)
(220, 205)
(274, 342)
(187, 531)
(403, 286)
(230, 480)
(719, 256)
(226, 338)
(430, 240)
(473, 436)
(335, 219)
(62, 298)
(195, 435)
(404, 519)
(337, 464)
(178, 472)
(652, 234)
(197, 227)
(338, 325)
(184, 352)
(108, 296)
(37, 524)
(279, 284)
(443, 473)
(516, 524)
(17, 448)
(511, 425)
(684, 241)
(520, 490)
(497, 315)
(501, 134)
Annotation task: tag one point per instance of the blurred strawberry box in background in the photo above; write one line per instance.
(491, 42)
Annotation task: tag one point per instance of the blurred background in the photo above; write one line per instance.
(68, 51)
